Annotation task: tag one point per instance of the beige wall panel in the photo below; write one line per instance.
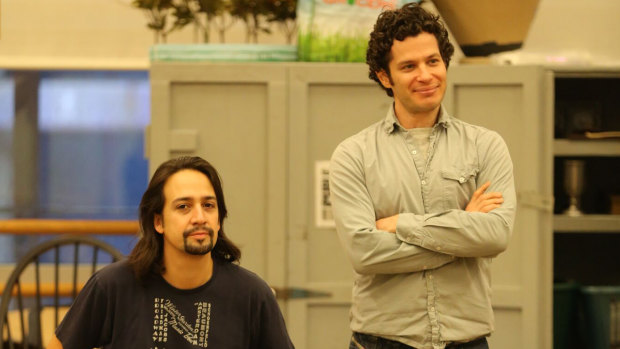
(509, 330)
(233, 116)
(506, 102)
(335, 112)
(326, 333)
(509, 100)
(328, 103)
(323, 245)
(233, 139)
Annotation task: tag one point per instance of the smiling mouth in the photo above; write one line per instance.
(427, 90)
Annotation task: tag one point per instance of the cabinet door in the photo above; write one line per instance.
(327, 103)
(232, 115)
(517, 102)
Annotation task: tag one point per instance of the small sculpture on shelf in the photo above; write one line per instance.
(573, 184)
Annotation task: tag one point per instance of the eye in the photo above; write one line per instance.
(434, 61)
(182, 206)
(208, 205)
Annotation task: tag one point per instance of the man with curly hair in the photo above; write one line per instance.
(422, 201)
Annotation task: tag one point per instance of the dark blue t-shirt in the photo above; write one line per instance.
(234, 309)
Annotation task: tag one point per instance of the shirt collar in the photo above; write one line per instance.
(390, 123)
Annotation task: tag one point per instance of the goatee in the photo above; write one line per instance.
(200, 248)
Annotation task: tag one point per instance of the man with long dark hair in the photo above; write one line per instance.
(422, 200)
(180, 287)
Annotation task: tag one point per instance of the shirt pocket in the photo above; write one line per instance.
(458, 186)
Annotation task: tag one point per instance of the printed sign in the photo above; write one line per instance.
(323, 207)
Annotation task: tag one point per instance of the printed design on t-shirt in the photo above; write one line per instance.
(167, 315)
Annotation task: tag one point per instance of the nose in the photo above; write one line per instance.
(198, 215)
(424, 73)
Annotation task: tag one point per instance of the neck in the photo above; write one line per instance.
(185, 271)
(421, 119)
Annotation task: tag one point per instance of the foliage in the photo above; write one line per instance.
(251, 13)
(283, 12)
(156, 12)
(166, 16)
(318, 47)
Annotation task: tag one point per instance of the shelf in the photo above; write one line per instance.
(586, 147)
(596, 223)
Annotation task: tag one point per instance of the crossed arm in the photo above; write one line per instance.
(479, 202)
(409, 242)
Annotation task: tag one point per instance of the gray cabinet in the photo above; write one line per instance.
(235, 117)
(269, 128)
(539, 112)
(513, 102)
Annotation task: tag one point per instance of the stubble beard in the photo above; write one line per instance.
(199, 248)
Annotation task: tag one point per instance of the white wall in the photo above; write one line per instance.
(110, 34)
(573, 33)
(85, 34)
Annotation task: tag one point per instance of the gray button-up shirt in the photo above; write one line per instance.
(428, 284)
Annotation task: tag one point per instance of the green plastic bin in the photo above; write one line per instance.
(565, 319)
(601, 316)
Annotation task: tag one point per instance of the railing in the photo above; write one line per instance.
(64, 226)
(67, 226)
(106, 227)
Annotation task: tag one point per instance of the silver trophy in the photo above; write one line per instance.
(573, 184)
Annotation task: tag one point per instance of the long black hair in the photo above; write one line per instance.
(146, 256)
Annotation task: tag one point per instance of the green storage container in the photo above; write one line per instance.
(601, 316)
(565, 319)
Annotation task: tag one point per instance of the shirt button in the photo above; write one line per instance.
(461, 180)
(438, 248)
(414, 152)
(433, 309)
(423, 182)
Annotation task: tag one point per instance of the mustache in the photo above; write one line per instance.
(188, 232)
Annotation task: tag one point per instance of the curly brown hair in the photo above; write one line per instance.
(409, 20)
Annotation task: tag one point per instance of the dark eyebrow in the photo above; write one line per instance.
(187, 198)
(433, 55)
(400, 64)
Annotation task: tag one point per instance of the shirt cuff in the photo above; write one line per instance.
(409, 229)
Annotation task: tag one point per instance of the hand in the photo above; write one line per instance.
(387, 224)
(484, 202)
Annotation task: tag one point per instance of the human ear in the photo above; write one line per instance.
(158, 223)
(384, 78)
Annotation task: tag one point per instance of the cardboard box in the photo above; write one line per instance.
(484, 27)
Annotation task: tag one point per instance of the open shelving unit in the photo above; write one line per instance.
(595, 223)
